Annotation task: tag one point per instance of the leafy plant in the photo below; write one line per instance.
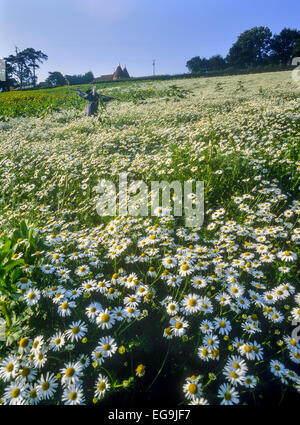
(15, 250)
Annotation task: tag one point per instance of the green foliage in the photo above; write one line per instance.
(283, 45)
(16, 249)
(23, 65)
(215, 63)
(251, 48)
(56, 79)
(176, 93)
(86, 78)
(254, 47)
(296, 51)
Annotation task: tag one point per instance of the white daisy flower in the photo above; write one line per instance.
(46, 386)
(73, 395)
(102, 386)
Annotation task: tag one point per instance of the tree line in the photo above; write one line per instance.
(254, 47)
(56, 79)
(21, 71)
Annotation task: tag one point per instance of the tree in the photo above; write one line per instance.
(56, 79)
(193, 65)
(87, 78)
(16, 67)
(251, 48)
(196, 64)
(296, 50)
(282, 45)
(33, 58)
(23, 64)
(216, 63)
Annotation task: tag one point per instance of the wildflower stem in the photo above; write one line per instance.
(160, 369)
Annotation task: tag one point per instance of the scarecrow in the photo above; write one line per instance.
(93, 99)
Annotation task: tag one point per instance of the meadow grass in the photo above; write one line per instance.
(145, 308)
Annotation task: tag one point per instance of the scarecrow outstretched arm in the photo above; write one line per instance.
(81, 94)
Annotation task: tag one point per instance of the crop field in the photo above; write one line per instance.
(42, 102)
(145, 310)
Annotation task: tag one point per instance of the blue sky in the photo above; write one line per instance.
(83, 35)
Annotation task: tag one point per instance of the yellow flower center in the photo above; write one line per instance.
(193, 388)
(45, 386)
(10, 367)
(228, 396)
(24, 342)
(15, 392)
(70, 372)
(73, 395)
(101, 386)
(33, 394)
(140, 369)
(105, 318)
(25, 371)
(204, 352)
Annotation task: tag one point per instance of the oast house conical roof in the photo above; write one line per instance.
(118, 74)
(125, 72)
